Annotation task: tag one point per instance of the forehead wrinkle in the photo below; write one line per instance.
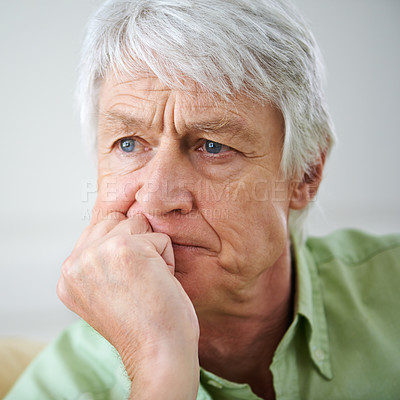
(137, 87)
(117, 120)
(136, 97)
(234, 127)
(120, 117)
(205, 113)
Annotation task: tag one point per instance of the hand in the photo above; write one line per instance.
(120, 279)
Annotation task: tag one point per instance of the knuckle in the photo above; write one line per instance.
(75, 265)
(60, 290)
(119, 246)
(88, 257)
(117, 242)
(147, 248)
(68, 266)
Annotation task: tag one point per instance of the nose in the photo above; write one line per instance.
(165, 186)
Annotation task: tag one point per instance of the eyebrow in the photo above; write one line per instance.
(234, 127)
(130, 121)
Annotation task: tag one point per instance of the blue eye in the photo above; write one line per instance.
(127, 145)
(213, 147)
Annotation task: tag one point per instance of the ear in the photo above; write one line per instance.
(305, 190)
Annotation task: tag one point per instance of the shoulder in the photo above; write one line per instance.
(358, 269)
(80, 362)
(80, 342)
(83, 341)
(352, 247)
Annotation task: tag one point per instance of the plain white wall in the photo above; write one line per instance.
(45, 172)
(359, 40)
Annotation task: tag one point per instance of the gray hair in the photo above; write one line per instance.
(260, 48)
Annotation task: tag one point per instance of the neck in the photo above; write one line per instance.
(240, 346)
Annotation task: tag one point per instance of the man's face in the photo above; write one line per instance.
(203, 171)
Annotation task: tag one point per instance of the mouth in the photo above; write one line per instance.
(181, 246)
(185, 241)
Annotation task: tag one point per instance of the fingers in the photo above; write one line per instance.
(104, 260)
(112, 224)
(162, 245)
(140, 229)
(135, 225)
(96, 231)
(99, 215)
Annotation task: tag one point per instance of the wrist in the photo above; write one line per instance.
(168, 368)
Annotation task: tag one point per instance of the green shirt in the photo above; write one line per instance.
(343, 343)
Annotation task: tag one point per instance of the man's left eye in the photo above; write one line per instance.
(212, 147)
(127, 145)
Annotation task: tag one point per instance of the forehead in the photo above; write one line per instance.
(149, 91)
(147, 102)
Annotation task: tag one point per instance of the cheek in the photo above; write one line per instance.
(253, 240)
(255, 234)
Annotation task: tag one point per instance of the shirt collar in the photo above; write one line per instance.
(309, 305)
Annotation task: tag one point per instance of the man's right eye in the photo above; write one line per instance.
(127, 145)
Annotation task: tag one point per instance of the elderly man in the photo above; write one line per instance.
(211, 134)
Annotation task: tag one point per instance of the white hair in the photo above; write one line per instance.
(260, 48)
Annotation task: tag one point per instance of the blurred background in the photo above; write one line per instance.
(48, 181)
